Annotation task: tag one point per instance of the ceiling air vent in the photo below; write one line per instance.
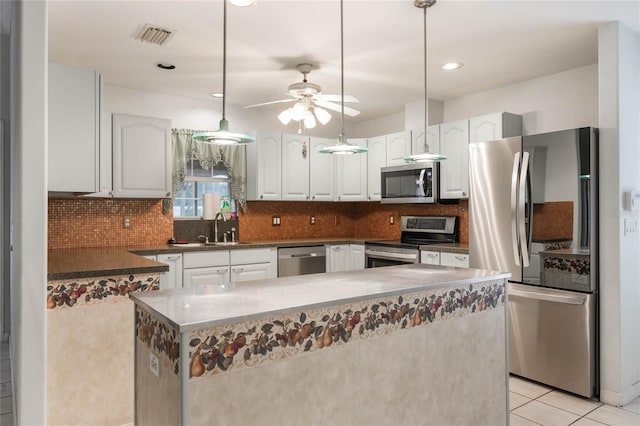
(154, 35)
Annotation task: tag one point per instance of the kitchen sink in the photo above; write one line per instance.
(212, 244)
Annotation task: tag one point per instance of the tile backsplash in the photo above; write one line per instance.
(96, 222)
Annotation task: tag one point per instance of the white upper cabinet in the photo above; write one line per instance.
(264, 167)
(74, 129)
(377, 158)
(398, 147)
(494, 126)
(351, 176)
(322, 171)
(454, 171)
(431, 144)
(295, 167)
(141, 157)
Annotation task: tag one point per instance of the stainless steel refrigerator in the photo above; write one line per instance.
(533, 212)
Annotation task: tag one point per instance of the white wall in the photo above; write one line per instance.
(29, 209)
(379, 126)
(414, 114)
(555, 102)
(619, 68)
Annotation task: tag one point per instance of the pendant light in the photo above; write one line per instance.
(342, 147)
(223, 136)
(425, 156)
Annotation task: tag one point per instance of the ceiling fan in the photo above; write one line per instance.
(310, 102)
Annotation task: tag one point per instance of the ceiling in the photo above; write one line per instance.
(499, 42)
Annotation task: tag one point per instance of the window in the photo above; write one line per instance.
(198, 181)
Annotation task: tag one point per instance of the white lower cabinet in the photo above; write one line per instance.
(173, 277)
(253, 264)
(345, 257)
(454, 259)
(205, 267)
(430, 257)
(356, 257)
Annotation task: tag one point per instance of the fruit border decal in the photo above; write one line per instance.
(227, 348)
(160, 338)
(70, 293)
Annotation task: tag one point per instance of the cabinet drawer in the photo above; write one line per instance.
(201, 277)
(202, 259)
(430, 257)
(454, 259)
(256, 271)
(244, 256)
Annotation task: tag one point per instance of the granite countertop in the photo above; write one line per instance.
(448, 247)
(99, 261)
(214, 305)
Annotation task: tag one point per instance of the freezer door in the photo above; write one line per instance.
(492, 209)
(552, 337)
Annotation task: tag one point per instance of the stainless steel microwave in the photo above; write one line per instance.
(410, 183)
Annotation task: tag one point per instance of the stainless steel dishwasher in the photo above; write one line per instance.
(301, 260)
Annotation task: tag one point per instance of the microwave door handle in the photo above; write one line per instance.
(421, 183)
(514, 207)
(522, 221)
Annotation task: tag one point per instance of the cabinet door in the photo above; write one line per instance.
(264, 167)
(430, 257)
(454, 259)
(454, 171)
(141, 157)
(356, 257)
(351, 176)
(322, 182)
(201, 277)
(431, 144)
(377, 158)
(485, 128)
(172, 278)
(338, 258)
(252, 271)
(398, 147)
(74, 130)
(295, 167)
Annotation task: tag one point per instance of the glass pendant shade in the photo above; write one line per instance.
(242, 3)
(342, 147)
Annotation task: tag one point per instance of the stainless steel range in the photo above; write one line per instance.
(415, 231)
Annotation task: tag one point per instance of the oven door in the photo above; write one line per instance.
(376, 256)
(409, 183)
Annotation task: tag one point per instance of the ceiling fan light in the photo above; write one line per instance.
(298, 111)
(322, 115)
(309, 120)
(285, 116)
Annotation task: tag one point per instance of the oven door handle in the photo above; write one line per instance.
(390, 256)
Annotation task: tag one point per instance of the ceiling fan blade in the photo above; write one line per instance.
(338, 108)
(336, 98)
(272, 102)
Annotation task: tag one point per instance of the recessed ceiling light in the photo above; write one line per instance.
(216, 95)
(165, 66)
(449, 66)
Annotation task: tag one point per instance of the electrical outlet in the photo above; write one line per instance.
(154, 364)
(312, 220)
(126, 222)
(391, 220)
(275, 220)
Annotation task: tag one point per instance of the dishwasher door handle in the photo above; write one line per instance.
(569, 300)
(302, 256)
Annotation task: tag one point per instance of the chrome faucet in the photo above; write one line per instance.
(215, 225)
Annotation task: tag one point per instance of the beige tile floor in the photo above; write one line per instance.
(533, 404)
(530, 404)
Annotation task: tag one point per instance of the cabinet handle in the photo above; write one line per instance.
(306, 197)
(432, 255)
(173, 257)
(237, 270)
(338, 197)
(335, 248)
(222, 271)
(464, 194)
(460, 257)
(261, 196)
(168, 194)
(369, 197)
(313, 197)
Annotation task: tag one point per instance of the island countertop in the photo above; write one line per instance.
(191, 308)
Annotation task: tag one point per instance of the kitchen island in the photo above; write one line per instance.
(411, 344)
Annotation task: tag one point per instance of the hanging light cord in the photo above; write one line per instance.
(224, 58)
(342, 68)
(426, 100)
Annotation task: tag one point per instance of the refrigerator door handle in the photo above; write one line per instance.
(568, 300)
(514, 208)
(520, 215)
